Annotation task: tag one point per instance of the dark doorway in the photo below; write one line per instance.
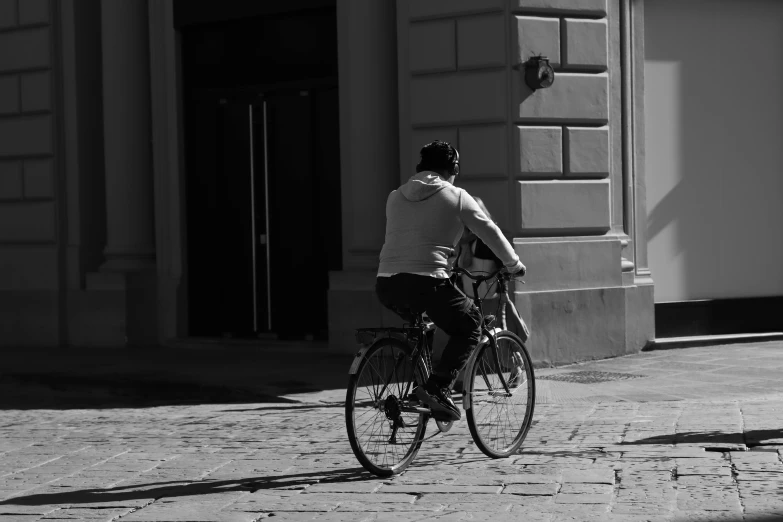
(262, 172)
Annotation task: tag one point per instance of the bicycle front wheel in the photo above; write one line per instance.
(499, 421)
(384, 429)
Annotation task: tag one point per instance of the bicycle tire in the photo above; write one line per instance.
(368, 406)
(497, 429)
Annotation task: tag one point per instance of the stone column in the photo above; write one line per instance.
(368, 125)
(127, 135)
(369, 153)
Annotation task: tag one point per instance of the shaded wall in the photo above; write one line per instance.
(74, 248)
(369, 160)
(30, 191)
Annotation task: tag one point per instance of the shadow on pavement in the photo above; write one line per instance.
(72, 377)
(293, 407)
(171, 489)
(750, 438)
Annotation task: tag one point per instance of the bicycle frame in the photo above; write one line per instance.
(421, 354)
(487, 333)
(393, 361)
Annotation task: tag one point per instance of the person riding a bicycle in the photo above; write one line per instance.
(425, 219)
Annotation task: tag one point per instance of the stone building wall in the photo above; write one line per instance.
(556, 167)
(549, 164)
(29, 192)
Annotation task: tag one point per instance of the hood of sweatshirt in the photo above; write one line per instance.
(423, 185)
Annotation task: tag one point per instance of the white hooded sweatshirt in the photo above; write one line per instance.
(425, 218)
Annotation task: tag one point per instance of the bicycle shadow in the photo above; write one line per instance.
(749, 438)
(172, 489)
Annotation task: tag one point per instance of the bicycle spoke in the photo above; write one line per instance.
(499, 420)
(382, 434)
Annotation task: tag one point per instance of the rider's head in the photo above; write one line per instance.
(439, 157)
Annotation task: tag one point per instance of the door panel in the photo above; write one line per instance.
(291, 212)
(234, 255)
(286, 145)
(220, 226)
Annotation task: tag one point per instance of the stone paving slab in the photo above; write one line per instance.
(689, 444)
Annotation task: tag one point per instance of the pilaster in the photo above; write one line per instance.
(369, 158)
(119, 303)
(130, 244)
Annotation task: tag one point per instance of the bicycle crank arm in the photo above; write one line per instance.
(415, 409)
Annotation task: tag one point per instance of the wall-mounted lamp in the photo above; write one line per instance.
(538, 73)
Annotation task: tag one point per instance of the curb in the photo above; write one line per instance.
(670, 343)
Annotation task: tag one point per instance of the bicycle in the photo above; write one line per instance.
(386, 423)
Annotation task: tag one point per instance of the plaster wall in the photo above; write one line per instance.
(714, 126)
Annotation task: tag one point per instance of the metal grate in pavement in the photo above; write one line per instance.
(589, 377)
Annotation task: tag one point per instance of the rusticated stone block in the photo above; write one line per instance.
(24, 49)
(588, 151)
(581, 97)
(563, 263)
(31, 317)
(458, 99)
(537, 36)
(494, 193)
(9, 94)
(564, 205)
(432, 47)
(10, 180)
(422, 8)
(7, 13)
(20, 136)
(540, 150)
(586, 43)
(33, 11)
(482, 41)
(421, 137)
(594, 7)
(36, 91)
(482, 150)
(38, 179)
(27, 222)
(32, 267)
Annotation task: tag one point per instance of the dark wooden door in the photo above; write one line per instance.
(264, 214)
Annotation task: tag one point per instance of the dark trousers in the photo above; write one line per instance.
(450, 310)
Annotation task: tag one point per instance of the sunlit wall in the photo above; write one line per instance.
(714, 147)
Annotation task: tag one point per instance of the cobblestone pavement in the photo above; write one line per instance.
(693, 434)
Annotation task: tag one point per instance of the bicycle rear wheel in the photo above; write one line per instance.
(384, 429)
(499, 422)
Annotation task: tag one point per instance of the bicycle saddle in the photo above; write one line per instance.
(408, 313)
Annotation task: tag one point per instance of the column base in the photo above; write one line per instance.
(353, 304)
(582, 300)
(569, 326)
(579, 303)
(115, 309)
(128, 264)
(29, 318)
